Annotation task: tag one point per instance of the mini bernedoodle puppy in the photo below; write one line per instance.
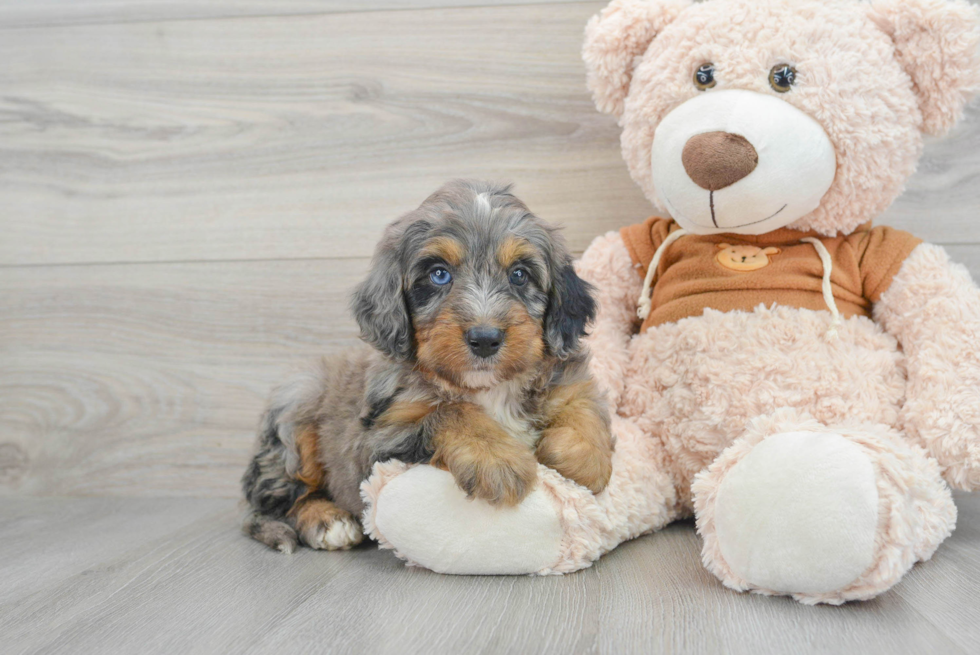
(474, 313)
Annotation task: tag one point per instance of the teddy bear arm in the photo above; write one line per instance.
(933, 308)
(617, 283)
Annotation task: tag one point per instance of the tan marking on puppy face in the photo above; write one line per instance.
(513, 250)
(448, 250)
(442, 347)
(486, 462)
(523, 347)
(744, 258)
(402, 413)
(311, 471)
(577, 442)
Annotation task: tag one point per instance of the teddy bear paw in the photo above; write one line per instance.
(430, 521)
(797, 515)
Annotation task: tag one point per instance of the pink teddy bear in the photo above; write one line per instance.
(806, 385)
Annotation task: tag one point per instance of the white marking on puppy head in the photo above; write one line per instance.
(483, 207)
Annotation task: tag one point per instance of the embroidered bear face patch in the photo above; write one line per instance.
(744, 258)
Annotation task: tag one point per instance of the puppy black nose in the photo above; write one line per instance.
(484, 341)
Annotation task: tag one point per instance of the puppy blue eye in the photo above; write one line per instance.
(518, 277)
(440, 276)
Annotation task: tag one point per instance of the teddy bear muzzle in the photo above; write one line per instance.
(736, 161)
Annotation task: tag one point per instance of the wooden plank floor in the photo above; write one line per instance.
(174, 576)
(47, 13)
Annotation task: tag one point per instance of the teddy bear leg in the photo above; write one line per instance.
(823, 514)
(560, 527)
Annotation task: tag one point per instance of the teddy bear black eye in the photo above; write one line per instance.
(782, 77)
(704, 77)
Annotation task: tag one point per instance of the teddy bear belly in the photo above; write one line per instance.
(694, 384)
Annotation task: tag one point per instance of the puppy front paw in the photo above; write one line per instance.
(341, 533)
(585, 461)
(501, 471)
(324, 526)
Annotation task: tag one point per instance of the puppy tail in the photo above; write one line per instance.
(269, 488)
(275, 534)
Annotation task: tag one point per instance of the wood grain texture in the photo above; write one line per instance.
(49, 13)
(226, 179)
(969, 256)
(301, 136)
(165, 576)
(292, 137)
(148, 380)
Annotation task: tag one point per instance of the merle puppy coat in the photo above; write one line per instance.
(472, 314)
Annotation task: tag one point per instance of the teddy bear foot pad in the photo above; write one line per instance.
(435, 525)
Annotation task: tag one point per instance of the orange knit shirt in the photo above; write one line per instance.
(730, 272)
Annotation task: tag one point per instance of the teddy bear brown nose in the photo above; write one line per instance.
(715, 160)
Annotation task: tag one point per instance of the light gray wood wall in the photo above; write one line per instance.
(189, 190)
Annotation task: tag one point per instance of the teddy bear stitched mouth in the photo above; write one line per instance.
(711, 200)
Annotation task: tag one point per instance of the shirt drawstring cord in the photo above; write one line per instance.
(645, 301)
(828, 293)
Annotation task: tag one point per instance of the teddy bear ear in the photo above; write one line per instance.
(937, 42)
(613, 41)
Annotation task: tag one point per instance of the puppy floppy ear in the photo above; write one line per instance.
(571, 308)
(613, 41)
(378, 302)
(936, 42)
